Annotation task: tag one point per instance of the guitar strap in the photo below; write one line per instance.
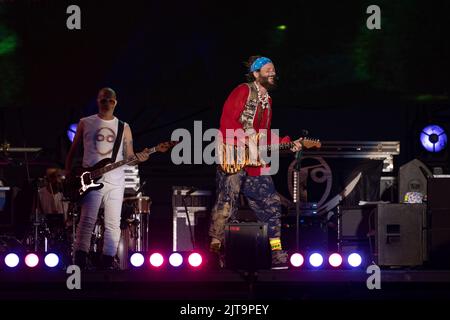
(119, 139)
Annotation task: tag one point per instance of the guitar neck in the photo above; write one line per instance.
(281, 146)
(131, 161)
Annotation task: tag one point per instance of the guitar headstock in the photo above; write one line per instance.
(165, 146)
(308, 143)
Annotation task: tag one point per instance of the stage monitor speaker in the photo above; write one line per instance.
(247, 246)
(439, 221)
(400, 234)
(413, 178)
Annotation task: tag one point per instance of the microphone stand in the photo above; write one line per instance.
(183, 199)
(297, 166)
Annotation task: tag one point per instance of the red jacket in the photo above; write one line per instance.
(232, 109)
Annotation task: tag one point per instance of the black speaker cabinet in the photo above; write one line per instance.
(439, 221)
(313, 232)
(400, 234)
(247, 246)
(356, 223)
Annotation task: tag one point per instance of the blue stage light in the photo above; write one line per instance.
(71, 131)
(433, 138)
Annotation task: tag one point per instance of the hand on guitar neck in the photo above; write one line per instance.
(144, 154)
(297, 145)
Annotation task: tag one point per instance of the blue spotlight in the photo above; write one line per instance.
(433, 138)
(316, 260)
(137, 259)
(354, 260)
(12, 260)
(51, 260)
(71, 131)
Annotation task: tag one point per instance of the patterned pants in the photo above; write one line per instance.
(262, 199)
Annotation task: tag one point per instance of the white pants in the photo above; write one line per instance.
(111, 196)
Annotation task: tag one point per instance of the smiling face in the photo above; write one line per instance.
(266, 76)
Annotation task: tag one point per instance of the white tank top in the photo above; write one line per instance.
(98, 140)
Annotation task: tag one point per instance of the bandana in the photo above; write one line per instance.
(259, 63)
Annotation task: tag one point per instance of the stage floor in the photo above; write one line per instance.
(178, 285)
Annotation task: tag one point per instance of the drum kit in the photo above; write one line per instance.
(56, 218)
(134, 225)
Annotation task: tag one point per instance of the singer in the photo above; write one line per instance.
(249, 108)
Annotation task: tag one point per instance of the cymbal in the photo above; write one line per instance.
(21, 149)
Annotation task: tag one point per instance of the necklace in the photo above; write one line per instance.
(263, 99)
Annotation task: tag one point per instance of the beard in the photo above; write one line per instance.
(264, 81)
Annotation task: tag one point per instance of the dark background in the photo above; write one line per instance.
(175, 62)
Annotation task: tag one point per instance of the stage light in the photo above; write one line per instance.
(297, 260)
(195, 259)
(354, 260)
(316, 260)
(335, 260)
(51, 260)
(281, 27)
(156, 260)
(31, 260)
(433, 138)
(137, 259)
(176, 259)
(71, 131)
(12, 260)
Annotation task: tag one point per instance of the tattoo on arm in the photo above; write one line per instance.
(129, 145)
(124, 148)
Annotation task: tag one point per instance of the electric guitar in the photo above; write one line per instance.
(234, 159)
(83, 180)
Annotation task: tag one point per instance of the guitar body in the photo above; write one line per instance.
(233, 159)
(84, 180)
(81, 182)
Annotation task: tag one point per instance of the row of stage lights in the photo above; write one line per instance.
(137, 259)
(297, 260)
(192, 259)
(335, 260)
(32, 260)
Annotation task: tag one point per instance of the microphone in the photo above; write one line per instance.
(305, 132)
